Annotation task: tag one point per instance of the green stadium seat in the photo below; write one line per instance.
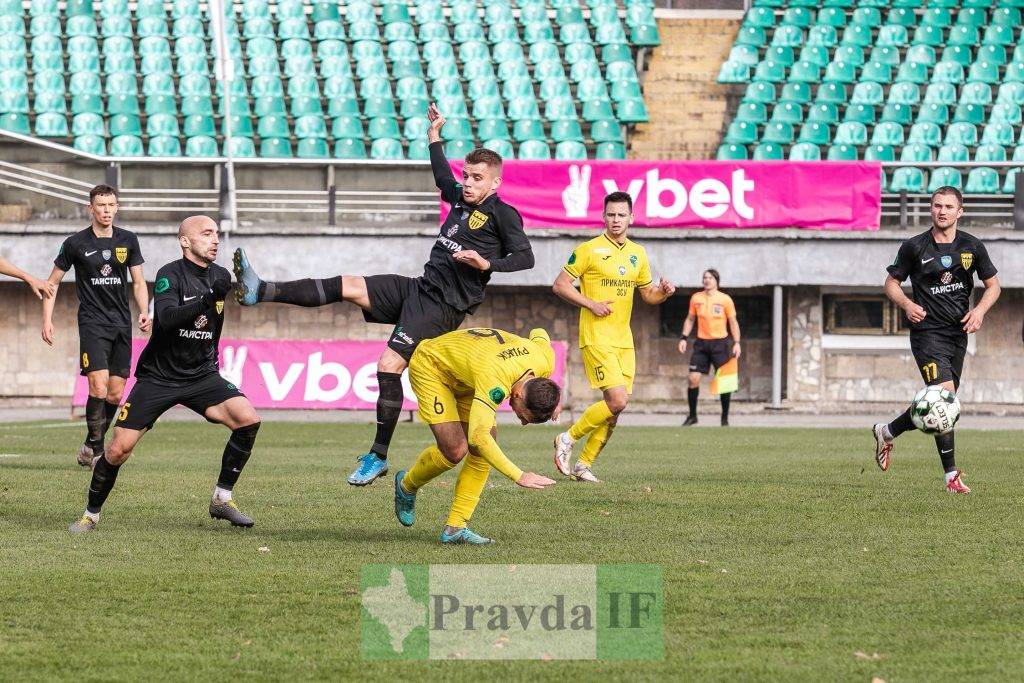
(566, 130)
(162, 125)
(995, 54)
(14, 102)
(842, 153)
(841, 72)
(963, 35)
(921, 54)
(887, 133)
(310, 126)
(533, 129)
(813, 54)
(198, 125)
(193, 64)
(990, 152)
(885, 55)
(831, 16)
(787, 112)
(973, 114)
(851, 133)
(347, 127)
(16, 60)
(387, 149)
(313, 148)
(805, 151)
(759, 91)
(997, 34)
(767, 151)
(570, 150)
(418, 150)
(85, 82)
(125, 124)
(123, 104)
(164, 146)
(948, 72)
(926, 34)
(81, 26)
(46, 24)
(944, 176)
(47, 102)
(126, 146)
(984, 72)
(831, 93)
(605, 130)
(280, 148)
(733, 72)
(729, 152)
(867, 93)
(52, 125)
(798, 93)
(241, 125)
(998, 134)
(907, 179)
(915, 152)
(940, 93)
(901, 114)
(197, 104)
(802, 72)
(877, 72)
(1004, 112)
(866, 16)
(933, 113)
(155, 84)
(937, 16)
(752, 112)
(273, 126)
(492, 129)
(350, 148)
(791, 36)
(912, 72)
(879, 153)
(87, 103)
(797, 16)
(893, 36)
(925, 133)
(824, 36)
(242, 147)
(383, 127)
(963, 133)
(953, 153)
(1015, 71)
(861, 113)
(743, 133)
(761, 17)
(782, 133)
(823, 112)
(91, 144)
(1010, 182)
(78, 8)
(187, 27)
(858, 35)
(152, 26)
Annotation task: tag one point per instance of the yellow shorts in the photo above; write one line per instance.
(609, 366)
(437, 401)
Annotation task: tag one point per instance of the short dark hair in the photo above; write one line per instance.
(714, 273)
(482, 155)
(101, 190)
(541, 398)
(949, 189)
(618, 197)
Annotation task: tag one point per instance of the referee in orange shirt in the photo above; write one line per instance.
(712, 309)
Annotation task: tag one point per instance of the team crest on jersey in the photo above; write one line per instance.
(946, 261)
(477, 220)
(716, 309)
(201, 322)
(162, 285)
(572, 258)
(220, 307)
(121, 254)
(633, 259)
(497, 395)
(622, 270)
(106, 254)
(966, 259)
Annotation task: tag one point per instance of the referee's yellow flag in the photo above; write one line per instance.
(727, 378)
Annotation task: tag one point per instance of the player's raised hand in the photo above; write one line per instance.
(437, 120)
(601, 308)
(576, 195)
(48, 332)
(145, 324)
(973, 320)
(915, 312)
(529, 480)
(666, 287)
(472, 258)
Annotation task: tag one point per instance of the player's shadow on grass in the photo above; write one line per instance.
(319, 535)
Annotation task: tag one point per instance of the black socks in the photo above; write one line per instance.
(725, 406)
(389, 408)
(901, 424)
(691, 397)
(103, 477)
(110, 411)
(95, 416)
(308, 292)
(236, 454)
(944, 444)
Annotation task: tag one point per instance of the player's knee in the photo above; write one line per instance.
(694, 380)
(116, 454)
(114, 395)
(617, 404)
(455, 453)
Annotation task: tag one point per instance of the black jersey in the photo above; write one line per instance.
(187, 322)
(101, 273)
(492, 228)
(942, 276)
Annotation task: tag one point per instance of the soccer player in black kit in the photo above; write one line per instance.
(941, 265)
(179, 365)
(481, 235)
(102, 256)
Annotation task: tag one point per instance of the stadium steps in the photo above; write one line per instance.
(687, 106)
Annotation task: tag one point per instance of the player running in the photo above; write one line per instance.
(41, 288)
(460, 379)
(941, 264)
(179, 365)
(102, 256)
(481, 235)
(609, 268)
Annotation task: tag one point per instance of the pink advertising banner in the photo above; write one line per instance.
(830, 195)
(305, 374)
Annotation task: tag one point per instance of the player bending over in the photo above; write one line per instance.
(941, 264)
(460, 379)
(609, 268)
(179, 365)
(481, 235)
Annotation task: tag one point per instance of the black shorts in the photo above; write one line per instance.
(708, 352)
(939, 354)
(403, 302)
(105, 348)
(149, 400)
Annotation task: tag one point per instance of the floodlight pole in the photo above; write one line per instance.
(224, 69)
(777, 346)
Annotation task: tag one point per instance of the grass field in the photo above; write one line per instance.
(786, 554)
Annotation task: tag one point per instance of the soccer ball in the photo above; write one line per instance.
(935, 410)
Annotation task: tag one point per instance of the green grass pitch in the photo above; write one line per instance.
(786, 554)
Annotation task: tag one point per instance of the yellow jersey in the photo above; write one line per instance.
(712, 312)
(609, 272)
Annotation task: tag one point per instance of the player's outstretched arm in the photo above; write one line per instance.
(41, 288)
(481, 421)
(444, 179)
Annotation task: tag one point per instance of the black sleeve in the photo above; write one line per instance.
(984, 267)
(167, 311)
(451, 191)
(63, 260)
(518, 254)
(904, 263)
(136, 257)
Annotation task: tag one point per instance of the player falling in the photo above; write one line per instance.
(179, 365)
(609, 268)
(102, 256)
(460, 379)
(941, 264)
(481, 235)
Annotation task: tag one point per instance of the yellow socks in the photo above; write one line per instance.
(468, 488)
(592, 418)
(429, 465)
(595, 444)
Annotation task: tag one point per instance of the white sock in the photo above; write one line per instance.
(950, 475)
(886, 434)
(220, 496)
(566, 439)
(94, 516)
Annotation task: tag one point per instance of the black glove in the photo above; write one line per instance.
(218, 290)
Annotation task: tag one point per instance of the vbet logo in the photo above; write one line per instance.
(475, 611)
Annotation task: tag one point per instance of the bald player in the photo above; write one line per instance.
(179, 365)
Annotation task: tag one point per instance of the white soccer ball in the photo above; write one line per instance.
(935, 410)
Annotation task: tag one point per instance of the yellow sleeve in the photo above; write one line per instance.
(578, 260)
(643, 276)
(538, 333)
(481, 421)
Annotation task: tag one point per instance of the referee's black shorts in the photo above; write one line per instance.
(148, 400)
(403, 302)
(708, 352)
(939, 354)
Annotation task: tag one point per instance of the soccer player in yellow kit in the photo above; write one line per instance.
(460, 379)
(609, 268)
